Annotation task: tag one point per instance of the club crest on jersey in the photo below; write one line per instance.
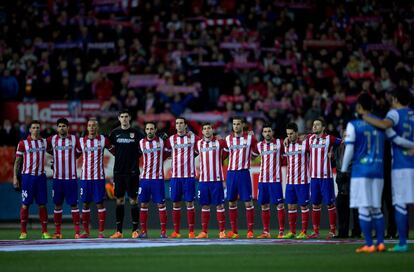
(132, 135)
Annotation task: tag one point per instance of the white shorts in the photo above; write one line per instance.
(402, 181)
(366, 192)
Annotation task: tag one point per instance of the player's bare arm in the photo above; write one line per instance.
(382, 124)
(16, 171)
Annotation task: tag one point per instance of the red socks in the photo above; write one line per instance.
(43, 218)
(24, 216)
(316, 219)
(205, 219)
(190, 218)
(305, 220)
(57, 217)
(266, 219)
(86, 215)
(76, 220)
(163, 219)
(292, 215)
(281, 219)
(176, 215)
(143, 217)
(221, 219)
(250, 218)
(233, 218)
(101, 217)
(332, 219)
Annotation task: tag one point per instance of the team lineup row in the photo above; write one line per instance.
(308, 160)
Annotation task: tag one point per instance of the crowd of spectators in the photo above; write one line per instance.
(276, 61)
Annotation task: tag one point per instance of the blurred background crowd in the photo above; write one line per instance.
(276, 61)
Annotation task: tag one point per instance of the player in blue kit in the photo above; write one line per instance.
(399, 123)
(365, 148)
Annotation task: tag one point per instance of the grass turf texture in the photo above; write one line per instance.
(215, 258)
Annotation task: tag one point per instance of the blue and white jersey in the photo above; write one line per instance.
(403, 125)
(368, 142)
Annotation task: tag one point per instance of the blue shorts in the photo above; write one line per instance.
(92, 190)
(322, 189)
(34, 187)
(239, 183)
(211, 193)
(180, 187)
(297, 194)
(65, 189)
(151, 189)
(270, 193)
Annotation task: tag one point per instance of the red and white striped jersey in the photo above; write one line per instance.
(240, 150)
(182, 150)
(320, 162)
(33, 152)
(153, 158)
(64, 151)
(297, 162)
(211, 159)
(93, 154)
(271, 160)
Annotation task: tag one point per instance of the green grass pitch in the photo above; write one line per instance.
(215, 258)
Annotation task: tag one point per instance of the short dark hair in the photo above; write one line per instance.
(206, 124)
(94, 119)
(292, 126)
(182, 118)
(403, 96)
(124, 111)
(366, 101)
(267, 125)
(62, 121)
(33, 122)
(150, 122)
(241, 118)
(320, 119)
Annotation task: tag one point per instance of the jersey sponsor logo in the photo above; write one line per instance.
(178, 146)
(93, 148)
(237, 147)
(293, 153)
(152, 150)
(267, 152)
(366, 160)
(125, 141)
(34, 149)
(322, 145)
(210, 148)
(64, 147)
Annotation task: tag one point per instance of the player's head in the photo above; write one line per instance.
(181, 125)
(318, 126)
(292, 132)
(150, 129)
(62, 126)
(267, 132)
(92, 126)
(207, 130)
(364, 103)
(238, 124)
(124, 118)
(34, 128)
(401, 97)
